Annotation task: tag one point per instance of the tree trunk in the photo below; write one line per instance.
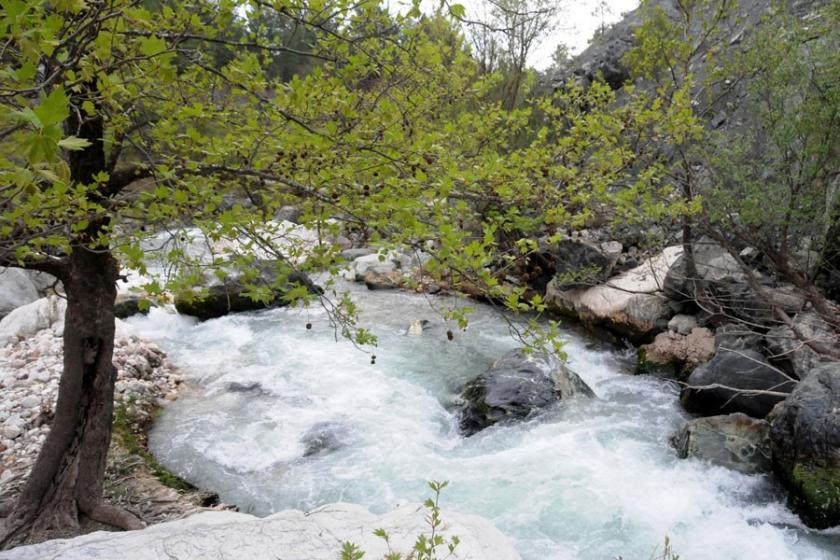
(66, 481)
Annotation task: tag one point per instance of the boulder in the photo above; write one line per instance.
(805, 437)
(675, 353)
(734, 441)
(384, 270)
(737, 336)
(787, 350)
(736, 381)
(27, 320)
(16, 290)
(578, 263)
(630, 304)
(724, 286)
(127, 305)
(287, 535)
(231, 296)
(682, 324)
(515, 386)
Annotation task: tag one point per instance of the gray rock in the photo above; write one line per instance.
(287, 535)
(515, 386)
(786, 349)
(805, 436)
(231, 296)
(16, 290)
(646, 313)
(734, 381)
(735, 336)
(682, 324)
(324, 437)
(578, 263)
(735, 441)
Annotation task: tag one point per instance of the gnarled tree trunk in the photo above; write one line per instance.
(67, 479)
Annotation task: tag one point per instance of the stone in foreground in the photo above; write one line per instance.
(288, 535)
(516, 385)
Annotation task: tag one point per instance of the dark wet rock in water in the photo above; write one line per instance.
(515, 386)
(232, 296)
(324, 437)
(735, 441)
(736, 381)
(252, 387)
(805, 437)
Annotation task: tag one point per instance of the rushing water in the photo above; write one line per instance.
(583, 480)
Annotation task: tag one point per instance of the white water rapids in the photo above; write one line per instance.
(587, 480)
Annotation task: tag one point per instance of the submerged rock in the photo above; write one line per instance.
(516, 385)
(805, 435)
(736, 381)
(735, 441)
(287, 535)
(324, 437)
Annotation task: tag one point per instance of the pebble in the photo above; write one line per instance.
(29, 375)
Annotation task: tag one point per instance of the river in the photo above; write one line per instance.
(584, 480)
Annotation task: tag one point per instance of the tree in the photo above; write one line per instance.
(505, 36)
(97, 96)
(764, 183)
(128, 131)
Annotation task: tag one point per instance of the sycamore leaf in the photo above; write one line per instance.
(54, 108)
(74, 143)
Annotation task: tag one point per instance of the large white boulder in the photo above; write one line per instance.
(27, 320)
(632, 302)
(16, 289)
(288, 535)
(45, 313)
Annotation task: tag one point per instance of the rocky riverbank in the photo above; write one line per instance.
(30, 368)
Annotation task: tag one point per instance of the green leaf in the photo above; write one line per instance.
(54, 109)
(74, 143)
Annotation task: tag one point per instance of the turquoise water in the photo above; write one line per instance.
(583, 480)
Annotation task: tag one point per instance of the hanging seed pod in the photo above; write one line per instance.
(309, 326)
(449, 335)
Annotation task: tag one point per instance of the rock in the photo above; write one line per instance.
(10, 431)
(736, 336)
(248, 387)
(713, 264)
(578, 263)
(786, 349)
(45, 284)
(416, 327)
(287, 535)
(27, 320)
(629, 304)
(128, 305)
(677, 352)
(383, 280)
(515, 386)
(231, 296)
(16, 290)
(724, 287)
(734, 441)
(324, 437)
(805, 436)
(741, 376)
(682, 324)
